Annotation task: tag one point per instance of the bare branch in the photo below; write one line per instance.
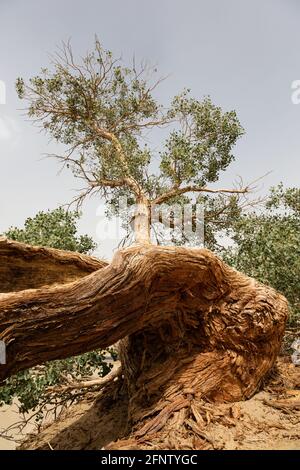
(98, 383)
(176, 191)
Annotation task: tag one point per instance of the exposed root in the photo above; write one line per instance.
(102, 422)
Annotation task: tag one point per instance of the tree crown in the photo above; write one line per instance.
(267, 244)
(103, 110)
(56, 229)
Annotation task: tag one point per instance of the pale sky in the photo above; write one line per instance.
(244, 54)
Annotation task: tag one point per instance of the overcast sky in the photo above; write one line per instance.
(245, 54)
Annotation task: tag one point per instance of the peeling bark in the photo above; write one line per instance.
(27, 267)
(191, 327)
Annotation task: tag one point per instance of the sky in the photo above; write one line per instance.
(244, 54)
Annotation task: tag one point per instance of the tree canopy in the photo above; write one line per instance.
(55, 229)
(103, 111)
(267, 244)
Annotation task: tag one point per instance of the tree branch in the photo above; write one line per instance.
(128, 179)
(176, 191)
(99, 382)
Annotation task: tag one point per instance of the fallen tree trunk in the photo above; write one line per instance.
(29, 267)
(191, 327)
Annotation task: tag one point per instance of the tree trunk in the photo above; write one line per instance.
(191, 328)
(142, 221)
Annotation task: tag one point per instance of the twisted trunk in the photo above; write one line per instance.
(191, 328)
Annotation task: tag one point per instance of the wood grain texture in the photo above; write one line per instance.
(25, 267)
(143, 287)
(191, 327)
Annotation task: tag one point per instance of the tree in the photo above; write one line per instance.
(190, 327)
(267, 244)
(102, 110)
(55, 229)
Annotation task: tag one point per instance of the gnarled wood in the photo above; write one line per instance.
(26, 267)
(191, 327)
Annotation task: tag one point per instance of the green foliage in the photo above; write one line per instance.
(267, 245)
(31, 386)
(103, 111)
(55, 229)
(220, 212)
(201, 148)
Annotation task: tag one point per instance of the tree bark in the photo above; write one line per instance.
(192, 328)
(142, 221)
(25, 267)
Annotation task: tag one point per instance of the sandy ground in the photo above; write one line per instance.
(8, 416)
(269, 420)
